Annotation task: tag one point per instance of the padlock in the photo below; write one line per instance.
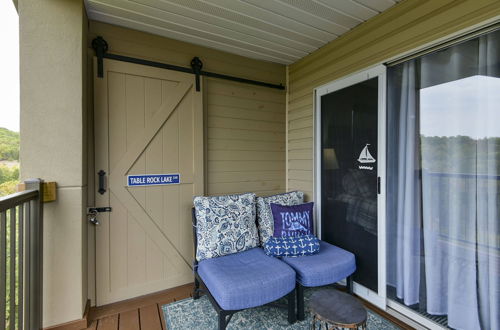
(92, 217)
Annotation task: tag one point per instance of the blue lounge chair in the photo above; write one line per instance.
(243, 280)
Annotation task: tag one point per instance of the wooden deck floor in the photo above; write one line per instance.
(142, 313)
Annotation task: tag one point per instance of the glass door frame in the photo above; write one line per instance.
(379, 299)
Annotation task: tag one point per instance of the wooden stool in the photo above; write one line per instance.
(337, 309)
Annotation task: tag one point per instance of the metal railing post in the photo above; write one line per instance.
(34, 273)
(3, 267)
(21, 252)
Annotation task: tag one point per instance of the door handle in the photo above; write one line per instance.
(101, 175)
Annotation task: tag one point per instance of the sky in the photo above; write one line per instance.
(9, 66)
(468, 107)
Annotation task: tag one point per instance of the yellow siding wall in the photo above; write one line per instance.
(245, 124)
(245, 138)
(406, 26)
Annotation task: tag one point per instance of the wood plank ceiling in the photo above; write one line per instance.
(281, 31)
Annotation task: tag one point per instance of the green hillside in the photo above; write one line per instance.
(9, 161)
(9, 144)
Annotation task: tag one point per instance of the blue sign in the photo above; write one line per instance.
(152, 179)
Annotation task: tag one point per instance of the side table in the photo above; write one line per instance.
(337, 309)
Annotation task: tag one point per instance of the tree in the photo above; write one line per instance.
(9, 144)
(8, 187)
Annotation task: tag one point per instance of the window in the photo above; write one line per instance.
(443, 184)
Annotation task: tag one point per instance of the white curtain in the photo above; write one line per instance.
(403, 219)
(444, 183)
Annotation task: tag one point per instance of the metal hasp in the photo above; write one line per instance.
(101, 47)
(101, 175)
(197, 64)
(99, 209)
(92, 213)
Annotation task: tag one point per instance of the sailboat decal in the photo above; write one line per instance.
(365, 156)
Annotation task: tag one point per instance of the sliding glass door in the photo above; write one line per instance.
(443, 191)
(350, 153)
(428, 237)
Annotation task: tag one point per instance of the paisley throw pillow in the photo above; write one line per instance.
(225, 225)
(265, 215)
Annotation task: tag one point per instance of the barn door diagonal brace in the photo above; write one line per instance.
(101, 47)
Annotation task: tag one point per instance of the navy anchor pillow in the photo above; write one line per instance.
(305, 245)
(293, 220)
(265, 215)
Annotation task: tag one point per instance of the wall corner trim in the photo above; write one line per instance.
(80, 324)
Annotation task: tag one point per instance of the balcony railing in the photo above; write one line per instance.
(21, 229)
(449, 199)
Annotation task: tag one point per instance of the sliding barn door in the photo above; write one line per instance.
(147, 121)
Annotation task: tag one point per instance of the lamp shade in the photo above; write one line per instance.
(330, 159)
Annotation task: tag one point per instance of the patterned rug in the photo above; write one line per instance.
(199, 314)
